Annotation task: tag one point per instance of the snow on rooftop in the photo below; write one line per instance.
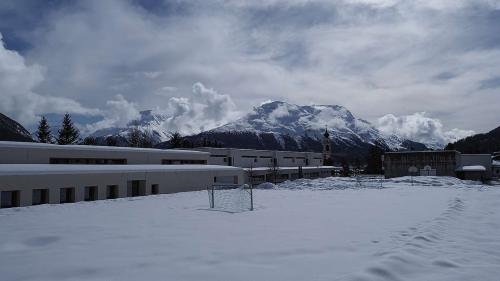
(12, 144)
(42, 169)
(474, 168)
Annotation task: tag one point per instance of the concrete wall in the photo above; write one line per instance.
(445, 163)
(495, 170)
(168, 182)
(35, 153)
(477, 159)
(286, 173)
(247, 158)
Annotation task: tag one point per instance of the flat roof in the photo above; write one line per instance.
(47, 169)
(13, 144)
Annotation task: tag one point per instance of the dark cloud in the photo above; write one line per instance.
(372, 56)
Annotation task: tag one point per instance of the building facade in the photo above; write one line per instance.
(438, 163)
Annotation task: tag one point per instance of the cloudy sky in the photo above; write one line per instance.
(415, 67)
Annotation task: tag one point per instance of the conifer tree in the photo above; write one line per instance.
(68, 134)
(43, 133)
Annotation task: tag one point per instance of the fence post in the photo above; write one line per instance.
(251, 197)
(213, 198)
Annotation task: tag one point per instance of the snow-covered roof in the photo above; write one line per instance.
(43, 169)
(12, 144)
(475, 168)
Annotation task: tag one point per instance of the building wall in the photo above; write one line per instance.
(247, 158)
(258, 176)
(495, 170)
(168, 182)
(477, 159)
(35, 153)
(445, 163)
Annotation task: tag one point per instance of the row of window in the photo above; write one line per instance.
(88, 161)
(11, 198)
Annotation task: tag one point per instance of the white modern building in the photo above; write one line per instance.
(37, 173)
(42, 153)
(247, 158)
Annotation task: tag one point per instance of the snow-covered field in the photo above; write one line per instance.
(325, 229)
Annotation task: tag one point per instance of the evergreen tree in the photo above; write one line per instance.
(68, 134)
(345, 167)
(176, 140)
(111, 141)
(374, 160)
(43, 133)
(134, 136)
(90, 141)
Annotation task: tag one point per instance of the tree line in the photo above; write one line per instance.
(70, 134)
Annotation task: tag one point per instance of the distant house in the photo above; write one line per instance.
(495, 169)
(438, 163)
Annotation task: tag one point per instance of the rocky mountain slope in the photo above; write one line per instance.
(10, 130)
(283, 126)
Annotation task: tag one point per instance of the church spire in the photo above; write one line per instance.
(326, 134)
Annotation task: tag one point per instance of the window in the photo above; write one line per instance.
(9, 199)
(40, 196)
(182, 162)
(67, 195)
(155, 189)
(136, 188)
(90, 193)
(112, 192)
(97, 161)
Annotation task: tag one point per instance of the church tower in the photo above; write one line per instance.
(327, 148)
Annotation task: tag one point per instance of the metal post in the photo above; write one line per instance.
(213, 198)
(251, 197)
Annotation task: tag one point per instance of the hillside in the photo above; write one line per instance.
(10, 130)
(480, 143)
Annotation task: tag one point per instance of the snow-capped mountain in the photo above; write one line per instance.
(284, 126)
(278, 125)
(299, 122)
(149, 122)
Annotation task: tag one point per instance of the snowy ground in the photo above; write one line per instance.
(325, 229)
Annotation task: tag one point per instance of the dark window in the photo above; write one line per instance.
(67, 195)
(90, 193)
(112, 192)
(155, 189)
(10, 199)
(87, 161)
(40, 196)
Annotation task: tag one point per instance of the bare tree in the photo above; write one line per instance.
(274, 171)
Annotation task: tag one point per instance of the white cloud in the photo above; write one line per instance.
(19, 100)
(118, 113)
(419, 127)
(207, 109)
(371, 56)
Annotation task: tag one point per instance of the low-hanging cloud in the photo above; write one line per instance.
(420, 127)
(204, 110)
(118, 113)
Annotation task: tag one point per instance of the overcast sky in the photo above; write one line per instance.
(403, 65)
